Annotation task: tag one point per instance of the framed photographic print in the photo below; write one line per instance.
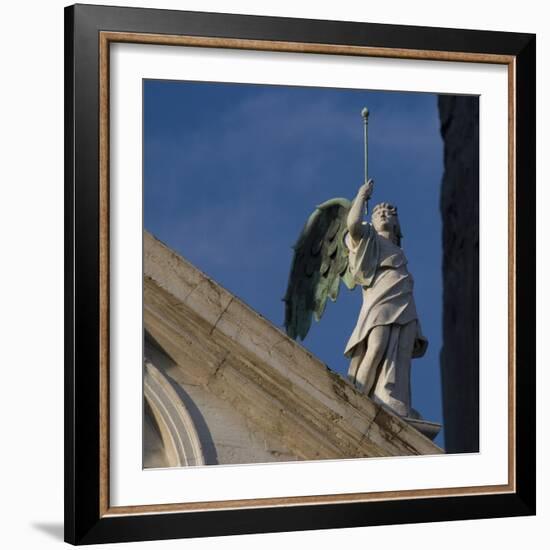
(299, 274)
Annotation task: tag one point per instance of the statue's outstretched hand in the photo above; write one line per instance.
(358, 209)
(366, 189)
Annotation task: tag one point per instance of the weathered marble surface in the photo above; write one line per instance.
(269, 396)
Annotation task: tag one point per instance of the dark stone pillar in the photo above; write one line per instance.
(459, 206)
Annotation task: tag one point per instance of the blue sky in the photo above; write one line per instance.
(232, 171)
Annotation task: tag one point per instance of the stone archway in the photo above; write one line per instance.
(169, 426)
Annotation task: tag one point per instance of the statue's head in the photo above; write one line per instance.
(384, 219)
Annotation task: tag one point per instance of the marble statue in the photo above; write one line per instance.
(387, 334)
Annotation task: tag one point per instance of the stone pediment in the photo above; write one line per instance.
(254, 394)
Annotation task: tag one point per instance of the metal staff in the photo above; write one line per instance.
(365, 115)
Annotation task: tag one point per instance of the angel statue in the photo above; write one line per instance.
(338, 244)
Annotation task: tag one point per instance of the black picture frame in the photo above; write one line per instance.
(85, 523)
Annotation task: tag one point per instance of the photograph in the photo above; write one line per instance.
(302, 294)
(275, 275)
(311, 273)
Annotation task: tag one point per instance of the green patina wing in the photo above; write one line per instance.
(320, 261)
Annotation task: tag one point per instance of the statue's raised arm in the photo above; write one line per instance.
(358, 209)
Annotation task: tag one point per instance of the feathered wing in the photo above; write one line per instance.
(320, 262)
